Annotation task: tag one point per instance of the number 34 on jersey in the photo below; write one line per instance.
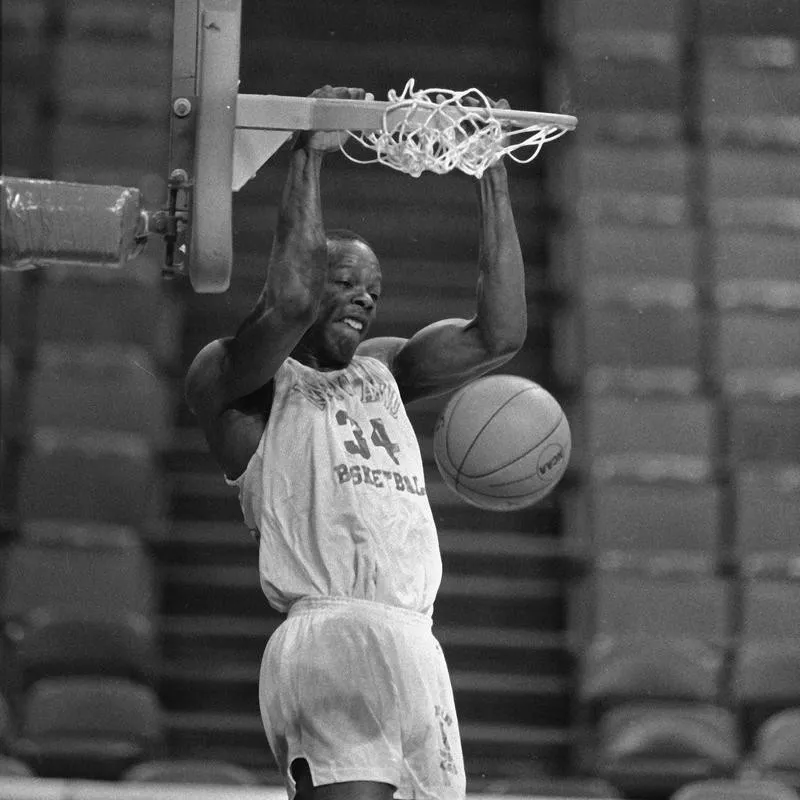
(365, 444)
(378, 437)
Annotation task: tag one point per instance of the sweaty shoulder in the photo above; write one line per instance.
(203, 380)
(382, 348)
(232, 430)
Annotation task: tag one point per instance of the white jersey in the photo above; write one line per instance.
(335, 492)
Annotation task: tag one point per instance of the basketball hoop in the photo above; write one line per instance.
(439, 130)
(220, 138)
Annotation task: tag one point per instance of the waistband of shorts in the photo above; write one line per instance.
(383, 611)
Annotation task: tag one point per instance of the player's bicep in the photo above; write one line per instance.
(441, 357)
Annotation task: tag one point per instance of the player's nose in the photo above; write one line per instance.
(364, 300)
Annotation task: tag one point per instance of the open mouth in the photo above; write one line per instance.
(355, 324)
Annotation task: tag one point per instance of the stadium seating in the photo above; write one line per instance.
(757, 362)
(758, 358)
(766, 663)
(92, 728)
(22, 46)
(650, 437)
(8, 421)
(756, 340)
(623, 254)
(11, 310)
(651, 749)
(11, 767)
(196, 771)
(747, 257)
(750, 167)
(108, 118)
(740, 53)
(637, 338)
(654, 638)
(625, 70)
(78, 598)
(137, 311)
(598, 167)
(766, 509)
(7, 723)
(766, 428)
(776, 749)
(618, 16)
(746, 17)
(653, 493)
(578, 788)
(735, 789)
(101, 476)
(754, 270)
(102, 387)
(8, 377)
(763, 172)
(661, 526)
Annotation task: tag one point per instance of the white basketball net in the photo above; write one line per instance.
(440, 130)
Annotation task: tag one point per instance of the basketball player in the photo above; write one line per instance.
(305, 415)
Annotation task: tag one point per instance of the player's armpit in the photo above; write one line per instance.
(226, 371)
(231, 430)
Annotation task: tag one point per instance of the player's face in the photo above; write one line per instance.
(349, 302)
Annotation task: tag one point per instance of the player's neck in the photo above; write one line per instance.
(316, 360)
(321, 350)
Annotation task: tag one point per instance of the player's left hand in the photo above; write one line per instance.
(326, 141)
(471, 101)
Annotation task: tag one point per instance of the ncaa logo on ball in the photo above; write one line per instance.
(549, 459)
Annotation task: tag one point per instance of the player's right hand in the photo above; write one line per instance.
(327, 141)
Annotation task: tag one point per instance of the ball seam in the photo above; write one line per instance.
(485, 425)
(517, 458)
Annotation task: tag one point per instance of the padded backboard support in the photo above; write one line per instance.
(205, 82)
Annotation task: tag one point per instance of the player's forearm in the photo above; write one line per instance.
(298, 260)
(502, 307)
(294, 284)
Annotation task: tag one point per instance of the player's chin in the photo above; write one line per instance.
(343, 347)
(345, 333)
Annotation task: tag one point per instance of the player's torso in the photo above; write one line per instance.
(350, 426)
(342, 483)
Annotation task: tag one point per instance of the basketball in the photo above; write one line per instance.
(502, 443)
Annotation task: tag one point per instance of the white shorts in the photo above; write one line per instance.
(362, 692)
